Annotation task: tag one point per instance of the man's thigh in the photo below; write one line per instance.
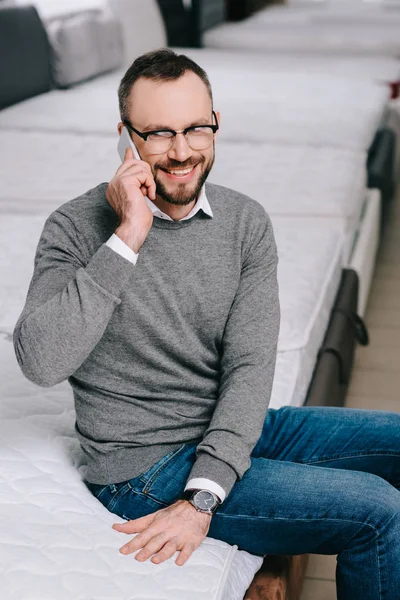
(279, 507)
(343, 438)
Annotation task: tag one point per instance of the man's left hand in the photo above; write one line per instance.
(176, 527)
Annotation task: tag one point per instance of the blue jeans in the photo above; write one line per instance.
(322, 480)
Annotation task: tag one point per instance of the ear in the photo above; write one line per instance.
(119, 127)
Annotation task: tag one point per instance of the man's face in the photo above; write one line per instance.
(180, 172)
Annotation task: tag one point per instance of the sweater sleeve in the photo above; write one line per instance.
(247, 366)
(69, 303)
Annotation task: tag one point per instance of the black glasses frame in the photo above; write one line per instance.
(146, 134)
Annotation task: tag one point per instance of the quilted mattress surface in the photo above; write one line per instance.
(294, 108)
(56, 538)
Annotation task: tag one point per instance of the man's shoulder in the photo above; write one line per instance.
(88, 204)
(89, 213)
(231, 202)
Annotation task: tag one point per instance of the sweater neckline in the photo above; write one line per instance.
(167, 224)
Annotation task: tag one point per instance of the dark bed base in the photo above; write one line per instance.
(381, 168)
(335, 359)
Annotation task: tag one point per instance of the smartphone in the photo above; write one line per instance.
(124, 143)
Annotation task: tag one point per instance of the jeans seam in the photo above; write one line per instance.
(117, 496)
(345, 456)
(150, 481)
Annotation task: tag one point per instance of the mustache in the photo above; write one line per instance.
(176, 164)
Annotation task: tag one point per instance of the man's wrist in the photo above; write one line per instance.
(202, 500)
(128, 236)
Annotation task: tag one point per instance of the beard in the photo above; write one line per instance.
(183, 196)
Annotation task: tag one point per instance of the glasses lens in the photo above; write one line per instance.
(160, 142)
(200, 138)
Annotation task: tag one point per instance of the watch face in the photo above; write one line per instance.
(204, 499)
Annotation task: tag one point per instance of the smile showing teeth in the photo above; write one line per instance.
(181, 173)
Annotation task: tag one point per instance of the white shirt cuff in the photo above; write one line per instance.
(121, 248)
(206, 484)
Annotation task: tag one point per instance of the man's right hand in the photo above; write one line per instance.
(125, 193)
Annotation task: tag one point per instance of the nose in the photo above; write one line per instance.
(180, 149)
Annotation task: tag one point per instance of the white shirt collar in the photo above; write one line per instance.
(202, 203)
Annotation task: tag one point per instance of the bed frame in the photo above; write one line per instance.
(334, 365)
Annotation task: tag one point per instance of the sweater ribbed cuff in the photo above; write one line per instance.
(213, 468)
(109, 269)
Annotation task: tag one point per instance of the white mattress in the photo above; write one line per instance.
(358, 13)
(373, 68)
(297, 181)
(57, 540)
(353, 39)
(309, 271)
(287, 180)
(40, 171)
(364, 256)
(293, 373)
(311, 108)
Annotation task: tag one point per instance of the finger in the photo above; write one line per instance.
(184, 554)
(143, 177)
(139, 541)
(135, 525)
(167, 551)
(127, 164)
(128, 154)
(153, 545)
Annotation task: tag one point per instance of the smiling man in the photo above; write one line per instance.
(156, 296)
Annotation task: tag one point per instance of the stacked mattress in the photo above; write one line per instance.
(335, 30)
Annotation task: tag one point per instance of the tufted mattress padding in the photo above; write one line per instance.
(319, 109)
(57, 540)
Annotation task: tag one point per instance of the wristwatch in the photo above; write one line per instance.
(203, 500)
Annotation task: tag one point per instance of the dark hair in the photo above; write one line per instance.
(159, 65)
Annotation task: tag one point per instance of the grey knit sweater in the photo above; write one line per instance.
(180, 347)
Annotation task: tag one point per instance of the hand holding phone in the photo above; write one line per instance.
(126, 194)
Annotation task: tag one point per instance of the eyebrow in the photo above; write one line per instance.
(157, 126)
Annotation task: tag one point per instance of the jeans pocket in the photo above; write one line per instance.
(109, 494)
(165, 480)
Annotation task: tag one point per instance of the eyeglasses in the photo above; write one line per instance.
(198, 137)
